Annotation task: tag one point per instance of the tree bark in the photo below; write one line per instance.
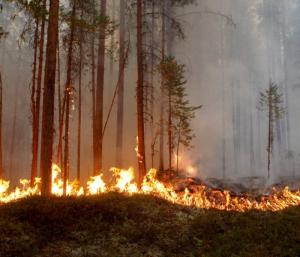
(99, 94)
(33, 104)
(120, 104)
(13, 139)
(36, 122)
(112, 39)
(68, 92)
(48, 99)
(79, 105)
(161, 141)
(1, 113)
(140, 94)
(270, 133)
(93, 74)
(61, 112)
(152, 83)
(170, 136)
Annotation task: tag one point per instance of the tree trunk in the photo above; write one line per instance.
(140, 94)
(61, 111)
(177, 152)
(79, 105)
(68, 91)
(270, 136)
(152, 82)
(1, 153)
(112, 38)
(13, 139)
(36, 122)
(161, 143)
(270, 133)
(93, 66)
(224, 164)
(120, 104)
(99, 94)
(170, 138)
(33, 105)
(48, 99)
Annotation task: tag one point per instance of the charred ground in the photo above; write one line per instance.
(118, 225)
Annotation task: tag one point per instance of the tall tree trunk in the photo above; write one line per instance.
(170, 138)
(270, 133)
(61, 111)
(140, 94)
(222, 50)
(33, 104)
(13, 139)
(120, 104)
(112, 39)
(48, 98)
(68, 91)
(1, 153)
(161, 138)
(99, 94)
(79, 105)
(93, 67)
(36, 122)
(152, 83)
(177, 150)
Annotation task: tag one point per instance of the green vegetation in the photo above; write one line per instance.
(115, 225)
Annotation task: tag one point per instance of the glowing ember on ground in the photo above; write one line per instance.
(202, 197)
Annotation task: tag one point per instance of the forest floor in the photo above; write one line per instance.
(115, 225)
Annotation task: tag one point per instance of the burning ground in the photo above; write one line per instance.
(186, 192)
(170, 218)
(114, 224)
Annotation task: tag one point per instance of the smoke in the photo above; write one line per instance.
(231, 51)
(228, 65)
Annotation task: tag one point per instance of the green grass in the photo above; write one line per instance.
(115, 225)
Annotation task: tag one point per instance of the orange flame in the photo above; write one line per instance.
(203, 197)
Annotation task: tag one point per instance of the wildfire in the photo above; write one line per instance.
(201, 197)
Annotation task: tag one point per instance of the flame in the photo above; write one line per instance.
(201, 197)
(96, 185)
(125, 180)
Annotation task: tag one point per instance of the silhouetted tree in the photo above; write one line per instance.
(179, 113)
(270, 101)
(48, 98)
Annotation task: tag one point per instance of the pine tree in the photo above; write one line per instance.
(2, 34)
(98, 144)
(140, 93)
(48, 98)
(120, 105)
(179, 112)
(270, 101)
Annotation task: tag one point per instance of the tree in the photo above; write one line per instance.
(163, 43)
(48, 98)
(93, 82)
(179, 112)
(270, 101)
(163, 21)
(1, 154)
(36, 92)
(68, 93)
(2, 34)
(80, 64)
(13, 138)
(140, 93)
(120, 104)
(98, 144)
